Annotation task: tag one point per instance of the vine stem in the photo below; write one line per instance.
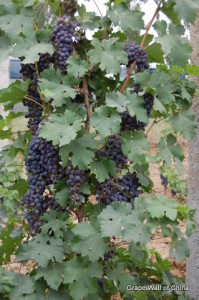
(12, 133)
(60, 9)
(98, 8)
(132, 67)
(85, 92)
(31, 99)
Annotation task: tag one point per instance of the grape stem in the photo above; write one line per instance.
(79, 213)
(60, 9)
(12, 133)
(85, 92)
(132, 67)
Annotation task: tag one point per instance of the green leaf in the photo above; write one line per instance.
(103, 169)
(119, 220)
(186, 10)
(81, 276)
(5, 47)
(53, 275)
(135, 107)
(134, 145)
(88, 20)
(169, 149)
(54, 85)
(62, 197)
(159, 206)
(109, 54)
(106, 121)
(192, 70)
(155, 53)
(184, 122)
(179, 249)
(117, 100)
(24, 286)
(76, 66)
(82, 149)
(61, 129)
(55, 226)
(13, 94)
(121, 16)
(42, 250)
(88, 241)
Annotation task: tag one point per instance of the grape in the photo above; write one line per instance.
(65, 33)
(76, 178)
(113, 151)
(123, 189)
(100, 282)
(164, 182)
(34, 103)
(136, 53)
(43, 165)
(70, 7)
(108, 255)
(173, 192)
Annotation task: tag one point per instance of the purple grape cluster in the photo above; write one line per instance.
(108, 255)
(44, 168)
(136, 53)
(76, 178)
(65, 33)
(164, 182)
(123, 189)
(113, 151)
(70, 7)
(34, 103)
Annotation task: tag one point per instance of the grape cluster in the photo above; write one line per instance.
(123, 189)
(65, 33)
(164, 182)
(33, 100)
(136, 53)
(44, 168)
(76, 178)
(108, 255)
(70, 7)
(113, 151)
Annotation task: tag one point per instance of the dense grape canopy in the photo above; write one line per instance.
(136, 53)
(124, 189)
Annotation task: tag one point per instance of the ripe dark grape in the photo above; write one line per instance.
(113, 151)
(108, 255)
(123, 189)
(164, 182)
(44, 168)
(65, 33)
(70, 7)
(136, 53)
(76, 178)
(33, 100)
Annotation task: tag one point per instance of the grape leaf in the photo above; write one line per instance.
(169, 149)
(55, 226)
(13, 94)
(24, 286)
(119, 220)
(88, 20)
(81, 276)
(5, 47)
(106, 121)
(134, 145)
(109, 54)
(179, 248)
(61, 129)
(54, 85)
(53, 274)
(155, 53)
(62, 197)
(88, 242)
(159, 206)
(82, 149)
(186, 10)
(103, 169)
(117, 100)
(135, 107)
(43, 250)
(76, 66)
(126, 19)
(184, 122)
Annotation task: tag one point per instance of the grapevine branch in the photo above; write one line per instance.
(132, 67)
(12, 133)
(85, 92)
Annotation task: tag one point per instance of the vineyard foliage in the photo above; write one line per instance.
(76, 195)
